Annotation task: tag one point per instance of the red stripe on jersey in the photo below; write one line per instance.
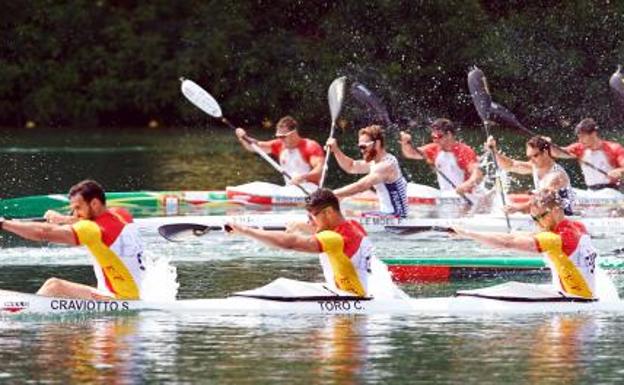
(352, 234)
(464, 155)
(111, 223)
(570, 233)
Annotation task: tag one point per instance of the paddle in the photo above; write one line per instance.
(367, 98)
(483, 103)
(408, 230)
(179, 232)
(335, 96)
(617, 85)
(207, 103)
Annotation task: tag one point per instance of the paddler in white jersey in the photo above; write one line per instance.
(565, 244)
(301, 158)
(109, 234)
(456, 160)
(547, 174)
(603, 154)
(345, 249)
(382, 169)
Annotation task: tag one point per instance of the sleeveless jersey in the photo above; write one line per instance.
(296, 161)
(117, 252)
(610, 155)
(571, 258)
(392, 196)
(346, 257)
(455, 164)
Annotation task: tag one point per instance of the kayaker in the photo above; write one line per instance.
(302, 158)
(382, 169)
(604, 155)
(456, 160)
(344, 247)
(109, 234)
(565, 244)
(547, 174)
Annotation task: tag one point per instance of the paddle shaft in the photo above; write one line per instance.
(327, 155)
(498, 179)
(264, 155)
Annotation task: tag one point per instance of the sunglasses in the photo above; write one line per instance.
(312, 215)
(282, 136)
(539, 217)
(364, 145)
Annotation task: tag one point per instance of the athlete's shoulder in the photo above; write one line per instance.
(122, 214)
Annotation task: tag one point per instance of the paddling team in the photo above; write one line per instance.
(345, 250)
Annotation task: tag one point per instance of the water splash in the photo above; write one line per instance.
(160, 282)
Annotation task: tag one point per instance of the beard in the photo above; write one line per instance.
(370, 155)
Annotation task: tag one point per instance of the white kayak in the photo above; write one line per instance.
(479, 222)
(314, 298)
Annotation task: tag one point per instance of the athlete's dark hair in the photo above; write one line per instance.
(540, 144)
(322, 198)
(89, 190)
(444, 125)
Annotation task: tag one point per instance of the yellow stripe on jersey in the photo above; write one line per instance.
(572, 279)
(344, 272)
(115, 271)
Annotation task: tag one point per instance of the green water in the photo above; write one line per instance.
(189, 349)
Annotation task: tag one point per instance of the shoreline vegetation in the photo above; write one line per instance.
(109, 63)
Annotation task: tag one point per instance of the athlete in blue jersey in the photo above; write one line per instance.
(382, 169)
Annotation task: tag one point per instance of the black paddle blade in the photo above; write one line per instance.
(503, 116)
(408, 229)
(178, 232)
(616, 82)
(480, 93)
(367, 98)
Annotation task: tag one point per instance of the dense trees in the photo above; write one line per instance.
(107, 63)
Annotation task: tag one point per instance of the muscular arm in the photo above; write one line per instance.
(43, 232)
(410, 152)
(317, 168)
(512, 165)
(366, 182)
(561, 152)
(349, 165)
(280, 239)
(515, 241)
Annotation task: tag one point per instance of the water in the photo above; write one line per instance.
(153, 347)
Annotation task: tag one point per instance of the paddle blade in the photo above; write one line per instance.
(335, 96)
(617, 85)
(480, 93)
(408, 229)
(367, 98)
(178, 232)
(501, 115)
(200, 98)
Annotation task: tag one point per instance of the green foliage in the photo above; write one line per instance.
(107, 63)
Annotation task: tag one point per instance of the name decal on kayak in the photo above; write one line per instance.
(340, 305)
(15, 306)
(88, 305)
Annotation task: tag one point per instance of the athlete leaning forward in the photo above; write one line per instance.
(345, 251)
(565, 244)
(110, 235)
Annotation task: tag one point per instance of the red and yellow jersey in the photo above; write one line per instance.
(455, 164)
(346, 256)
(610, 155)
(117, 250)
(571, 258)
(296, 161)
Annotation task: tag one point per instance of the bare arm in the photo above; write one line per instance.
(43, 232)
(347, 164)
(514, 241)
(476, 176)
(242, 134)
(557, 152)
(407, 148)
(364, 183)
(317, 168)
(279, 239)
